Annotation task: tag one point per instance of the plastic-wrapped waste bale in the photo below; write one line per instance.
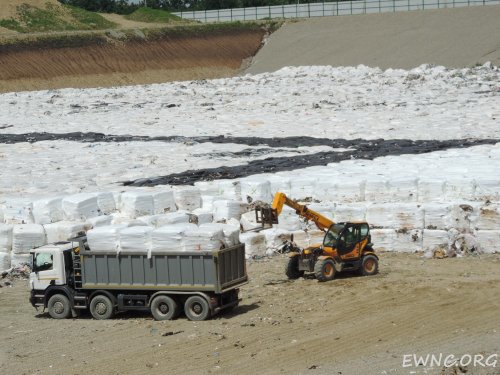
(105, 239)
(207, 202)
(203, 239)
(18, 211)
(289, 220)
(106, 202)
(99, 221)
(5, 238)
(135, 239)
(256, 190)
(302, 188)
(434, 240)
(459, 189)
(308, 238)
(383, 239)
(231, 232)
(436, 216)
(430, 190)
(462, 244)
(26, 237)
(255, 244)
(464, 216)
(187, 198)
(164, 201)
(64, 230)
(487, 189)
(407, 241)
(80, 207)
(4, 261)
(349, 212)
(395, 215)
(170, 238)
(489, 217)
(1, 213)
(203, 216)
(168, 219)
(210, 188)
(279, 184)
(230, 189)
(48, 210)
(137, 203)
(489, 240)
(275, 238)
(248, 221)
(226, 209)
(20, 259)
(349, 190)
(126, 221)
(391, 190)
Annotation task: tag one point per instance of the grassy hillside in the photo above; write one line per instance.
(154, 16)
(30, 18)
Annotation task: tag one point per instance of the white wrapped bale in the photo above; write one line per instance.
(434, 240)
(289, 220)
(462, 244)
(430, 190)
(1, 214)
(169, 238)
(231, 232)
(5, 238)
(99, 221)
(80, 207)
(308, 238)
(207, 202)
(394, 215)
(487, 189)
(164, 201)
(376, 190)
(347, 191)
(489, 217)
(137, 203)
(275, 238)
(383, 239)
(402, 190)
(407, 241)
(227, 209)
(135, 239)
(230, 189)
(256, 190)
(20, 259)
(64, 230)
(48, 210)
(177, 217)
(303, 188)
(105, 239)
(459, 189)
(248, 221)
(203, 216)
(18, 211)
(255, 244)
(26, 237)
(5, 261)
(436, 216)
(187, 198)
(464, 216)
(125, 220)
(350, 212)
(489, 240)
(106, 202)
(210, 188)
(203, 239)
(279, 184)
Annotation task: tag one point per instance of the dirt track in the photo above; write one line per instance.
(353, 325)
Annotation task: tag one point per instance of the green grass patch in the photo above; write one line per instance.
(93, 21)
(153, 16)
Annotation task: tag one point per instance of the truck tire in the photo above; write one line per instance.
(324, 269)
(369, 266)
(196, 308)
(292, 268)
(59, 306)
(101, 307)
(164, 308)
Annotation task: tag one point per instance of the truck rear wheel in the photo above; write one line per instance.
(59, 306)
(369, 265)
(197, 308)
(164, 308)
(101, 307)
(292, 268)
(324, 269)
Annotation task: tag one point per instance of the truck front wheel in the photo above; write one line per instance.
(164, 308)
(197, 308)
(59, 306)
(101, 307)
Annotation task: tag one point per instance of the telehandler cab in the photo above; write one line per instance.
(346, 246)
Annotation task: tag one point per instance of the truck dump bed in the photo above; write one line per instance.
(215, 271)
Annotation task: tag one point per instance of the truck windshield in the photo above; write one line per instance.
(43, 262)
(332, 235)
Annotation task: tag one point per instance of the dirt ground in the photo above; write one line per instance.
(352, 325)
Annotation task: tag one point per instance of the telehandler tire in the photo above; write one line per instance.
(59, 306)
(292, 268)
(324, 269)
(369, 266)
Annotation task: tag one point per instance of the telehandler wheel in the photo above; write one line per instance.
(369, 265)
(101, 307)
(196, 308)
(164, 308)
(324, 270)
(59, 306)
(292, 268)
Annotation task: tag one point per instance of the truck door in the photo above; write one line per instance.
(48, 268)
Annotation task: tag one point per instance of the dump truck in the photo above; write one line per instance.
(68, 277)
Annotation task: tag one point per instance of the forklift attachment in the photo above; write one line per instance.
(266, 215)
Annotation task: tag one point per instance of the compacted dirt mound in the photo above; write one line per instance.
(98, 61)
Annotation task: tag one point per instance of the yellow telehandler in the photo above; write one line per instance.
(346, 246)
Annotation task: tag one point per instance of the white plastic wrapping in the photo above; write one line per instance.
(226, 209)
(459, 189)
(279, 184)
(289, 220)
(255, 244)
(187, 198)
(135, 239)
(308, 238)
(26, 237)
(350, 212)
(256, 190)
(80, 207)
(4, 261)
(164, 201)
(231, 232)
(18, 211)
(275, 238)
(99, 221)
(391, 190)
(5, 238)
(203, 216)
(106, 202)
(105, 239)
(489, 240)
(383, 239)
(137, 203)
(434, 239)
(395, 215)
(463, 216)
(437, 216)
(302, 188)
(210, 188)
(230, 189)
(487, 189)
(48, 210)
(125, 220)
(430, 190)
(203, 239)
(177, 217)
(20, 259)
(248, 221)
(489, 217)
(346, 190)
(63, 230)
(170, 238)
